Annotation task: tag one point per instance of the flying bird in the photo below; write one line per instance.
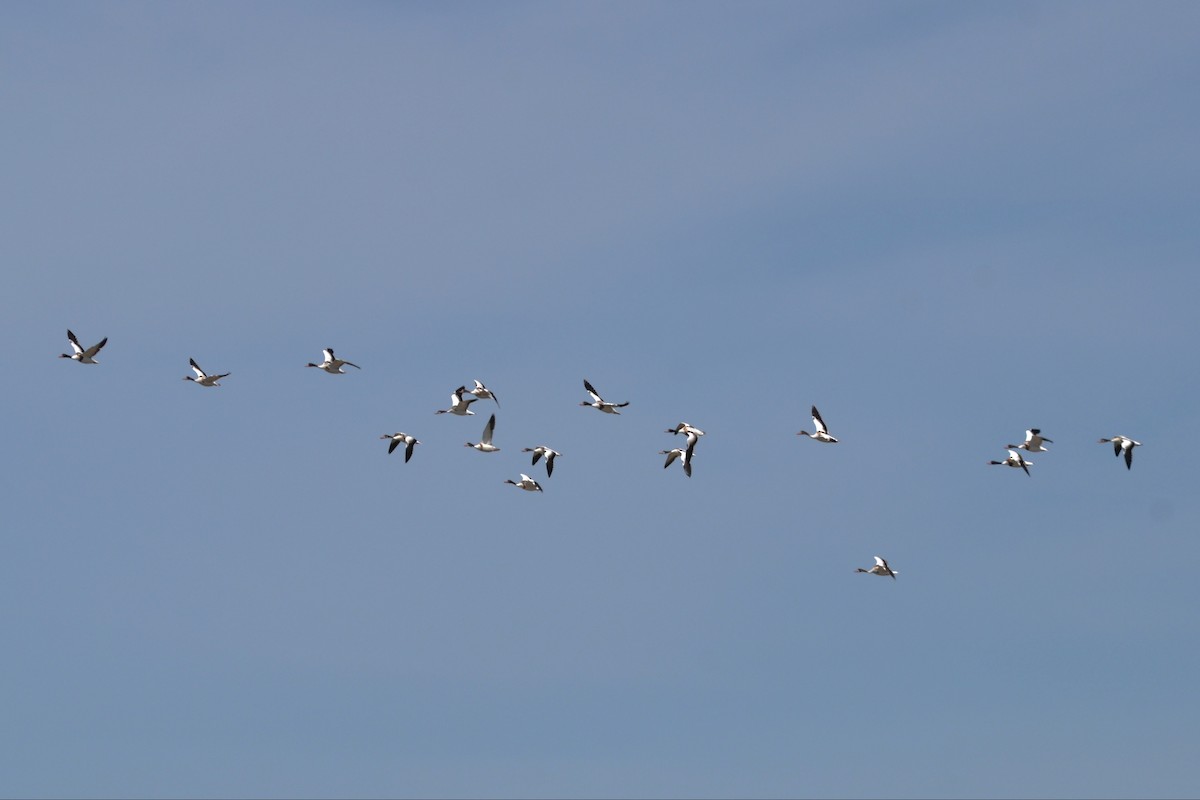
(483, 393)
(540, 451)
(599, 402)
(1014, 460)
(484, 445)
(683, 454)
(81, 354)
(409, 441)
(1033, 442)
(458, 404)
(1123, 444)
(332, 364)
(202, 377)
(527, 483)
(821, 433)
(881, 568)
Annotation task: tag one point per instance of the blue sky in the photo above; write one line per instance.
(942, 223)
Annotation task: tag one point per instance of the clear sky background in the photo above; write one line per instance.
(943, 223)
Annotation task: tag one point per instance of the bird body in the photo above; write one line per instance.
(482, 392)
(881, 568)
(1014, 460)
(1033, 442)
(84, 355)
(540, 451)
(527, 483)
(332, 364)
(459, 405)
(685, 428)
(821, 432)
(684, 454)
(1123, 444)
(484, 445)
(599, 402)
(409, 443)
(202, 377)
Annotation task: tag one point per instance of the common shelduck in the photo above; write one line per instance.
(409, 441)
(202, 377)
(821, 433)
(458, 404)
(1033, 442)
(881, 568)
(684, 454)
(332, 364)
(684, 427)
(483, 393)
(484, 445)
(1014, 460)
(542, 450)
(527, 483)
(1123, 444)
(80, 354)
(599, 402)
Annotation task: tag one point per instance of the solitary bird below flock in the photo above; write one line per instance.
(1014, 460)
(202, 377)
(332, 364)
(1123, 444)
(821, 433)
(527, 483)
(540, 451)
(484, 445)
(881, 568)
(81, 354)
(409, 441)
(599, 402)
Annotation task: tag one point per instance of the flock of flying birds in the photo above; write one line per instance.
(460, 405)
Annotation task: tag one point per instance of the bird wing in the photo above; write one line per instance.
(196, 368)
(91, 351)
(408, 451)
(393, 445)
(879, 562)
(820, 423)
(488, 429)
(592, 391)
(74, 342)
(550, 462)
(1129, 456)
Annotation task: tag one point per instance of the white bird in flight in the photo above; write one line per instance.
(821, 433)
(458, 404)
(202, 377)
(599, 402)
(409, 441)
(881, 568)
(1015, 460)
(527, 483)
(1123, 444)
(81, 354)
(540, 451)
(484, 445)
(332, 364)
